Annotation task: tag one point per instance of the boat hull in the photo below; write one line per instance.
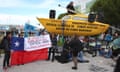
(71, 27)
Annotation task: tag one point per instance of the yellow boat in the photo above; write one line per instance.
(73, 24)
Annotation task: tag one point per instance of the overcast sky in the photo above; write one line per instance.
(21, 11)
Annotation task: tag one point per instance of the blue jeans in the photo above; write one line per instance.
(80, 56)
(108, 54)
(102, 52)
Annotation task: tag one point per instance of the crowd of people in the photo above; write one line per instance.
(74, 47)
(106, 45)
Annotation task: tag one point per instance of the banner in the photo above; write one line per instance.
(37, 42)
(26, 50)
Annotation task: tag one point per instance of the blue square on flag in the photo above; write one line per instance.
(17, 43)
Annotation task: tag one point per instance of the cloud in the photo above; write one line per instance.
(82, 3)
(22, 4)
(42, 4)
(18, 19)
(13, 19)
(46, 3)
(10, 3)
(8, 18)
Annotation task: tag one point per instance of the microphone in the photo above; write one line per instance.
(59, 5)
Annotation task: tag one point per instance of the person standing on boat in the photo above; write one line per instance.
(70, 8)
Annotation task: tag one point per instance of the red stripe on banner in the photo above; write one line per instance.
(17, 57)
(31, 56)
(22, 57)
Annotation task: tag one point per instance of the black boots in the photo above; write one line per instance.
(74, 68)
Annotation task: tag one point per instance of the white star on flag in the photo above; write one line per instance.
(17, 44)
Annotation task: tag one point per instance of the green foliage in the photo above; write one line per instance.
(78, 9)
(62, 15)
(111, 9)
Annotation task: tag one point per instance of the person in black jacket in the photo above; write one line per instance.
(53, 48)
(117, 67)
(116, 55)
(76, 47)
(70, 8)
(7, 49)
(66, 50)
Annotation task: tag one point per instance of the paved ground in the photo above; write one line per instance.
(96, 64)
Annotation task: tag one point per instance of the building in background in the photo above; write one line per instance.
(14, 28)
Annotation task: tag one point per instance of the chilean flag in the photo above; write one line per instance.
(21, 56)
(17, 44)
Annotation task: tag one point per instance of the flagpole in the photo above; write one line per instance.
(63, 28)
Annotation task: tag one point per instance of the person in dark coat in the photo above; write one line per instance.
(7, 49)
(76, 47)
(66, 50)
(53, 48)
(116, 54)
(117, 67)
(70, 8)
